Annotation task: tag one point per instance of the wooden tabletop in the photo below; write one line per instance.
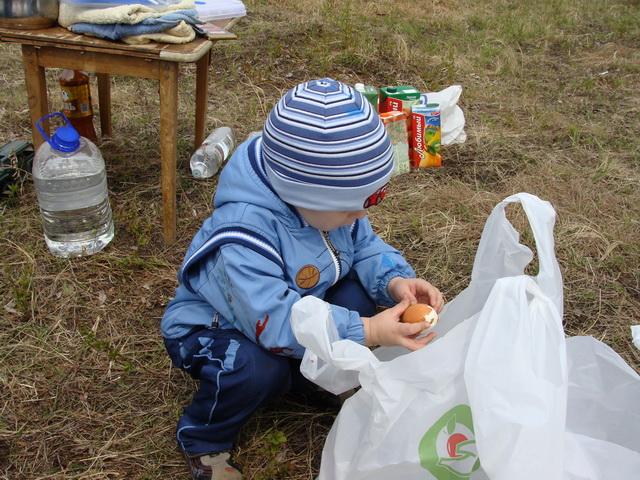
(63, 38)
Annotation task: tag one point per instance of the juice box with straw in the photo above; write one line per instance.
(425, 136)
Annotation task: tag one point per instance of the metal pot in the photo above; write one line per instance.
(28, 14)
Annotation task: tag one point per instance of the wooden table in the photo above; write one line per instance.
(59, 48)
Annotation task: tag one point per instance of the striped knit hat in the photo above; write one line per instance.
(325, 148)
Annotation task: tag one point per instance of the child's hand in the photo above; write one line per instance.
(416, 290)
(385, 328)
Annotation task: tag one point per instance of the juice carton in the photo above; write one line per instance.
(398, 99)
(425, 134)
(396, 125)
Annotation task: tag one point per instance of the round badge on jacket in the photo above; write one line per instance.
(308, 276)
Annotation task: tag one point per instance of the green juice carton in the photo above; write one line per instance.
(400, 99)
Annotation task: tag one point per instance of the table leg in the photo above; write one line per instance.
(168, 145)
(104, 103)
(202, 84)
(36, 90)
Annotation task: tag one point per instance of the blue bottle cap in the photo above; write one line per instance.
(65, 139)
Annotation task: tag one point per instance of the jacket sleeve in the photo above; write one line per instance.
(376, 262)
(259, 300)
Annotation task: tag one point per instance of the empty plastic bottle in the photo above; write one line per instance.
(370, 92)
(71, 185)
(209, 157)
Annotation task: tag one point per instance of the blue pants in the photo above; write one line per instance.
(237, 376)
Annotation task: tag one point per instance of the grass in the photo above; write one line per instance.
(552, 108)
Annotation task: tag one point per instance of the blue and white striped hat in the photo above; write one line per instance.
(325, 148)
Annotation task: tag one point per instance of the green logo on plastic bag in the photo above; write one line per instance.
(448, 449)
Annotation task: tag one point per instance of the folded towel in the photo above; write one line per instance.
(116, 31)
(182, 33)
(130, 14)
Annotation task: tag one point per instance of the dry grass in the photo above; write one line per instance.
(552, 108)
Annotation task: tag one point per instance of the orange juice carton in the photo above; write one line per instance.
(396, 126)
(425, 136)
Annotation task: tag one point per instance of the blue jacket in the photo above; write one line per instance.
(240, 270)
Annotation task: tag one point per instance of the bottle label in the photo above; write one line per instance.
(224, 146)
(77, 101)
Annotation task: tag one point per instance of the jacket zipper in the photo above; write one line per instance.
(333, 252)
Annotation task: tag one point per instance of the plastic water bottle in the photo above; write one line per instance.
(209, 157)
(71, 184)
(370, 92)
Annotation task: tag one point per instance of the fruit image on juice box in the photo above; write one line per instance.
(425, 136)
(396, 125)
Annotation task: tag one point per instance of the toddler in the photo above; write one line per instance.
(290, 220)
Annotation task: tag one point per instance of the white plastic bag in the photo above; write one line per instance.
(602, 439)
(500, 394)
(451, 115)
(635, 335)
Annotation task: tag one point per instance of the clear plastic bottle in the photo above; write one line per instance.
(71, 184)
(209, 157)
(370, 92)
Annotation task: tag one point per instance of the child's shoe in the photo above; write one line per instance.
(215, 466)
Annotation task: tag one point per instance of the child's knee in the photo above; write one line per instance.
(265, 374)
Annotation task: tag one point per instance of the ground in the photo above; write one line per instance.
(552, 106)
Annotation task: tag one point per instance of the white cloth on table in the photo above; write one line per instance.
(181, 33)
(130, 14)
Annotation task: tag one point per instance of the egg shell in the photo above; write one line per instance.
(418, 313)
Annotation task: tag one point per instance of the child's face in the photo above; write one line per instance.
(330, 220)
